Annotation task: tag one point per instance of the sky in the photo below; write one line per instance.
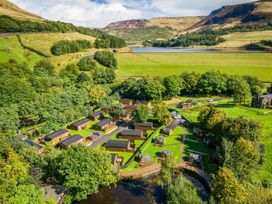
(99, 13)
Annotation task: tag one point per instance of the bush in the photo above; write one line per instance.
(87, 64)
(106, 59)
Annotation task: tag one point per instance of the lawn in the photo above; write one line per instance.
(10, 48)
(86, 132)
(250, 113)
(163, 64)
(43, 42)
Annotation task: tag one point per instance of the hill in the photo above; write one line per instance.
(258, 12)
(9, 9)
(138, 30)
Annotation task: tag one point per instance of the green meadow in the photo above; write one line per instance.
(163, 64)
(10, 48)
(264, 117)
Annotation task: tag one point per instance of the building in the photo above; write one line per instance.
(144, 126)
(116, 160)
(35, 145)
(126, 101)
(159, 140)
(75, 139)
(264, 101)
(144, 159)
(104, 125)
(80, 125)
(56, 136)
(132, 135)
(99, 115)
(194, 158)
(167, 131)
(118, 145)
(165, 153)
(130, 108)
(185, 105)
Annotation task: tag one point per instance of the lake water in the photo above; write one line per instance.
(190, 50)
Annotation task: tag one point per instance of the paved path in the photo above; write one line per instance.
(106, 137)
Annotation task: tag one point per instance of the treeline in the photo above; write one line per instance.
(239, 156)
(262, 45)
(10, 25)
(209, 83)
(70, 46)
(40, 96)
(207, 36)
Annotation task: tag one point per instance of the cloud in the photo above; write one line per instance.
(99, 13)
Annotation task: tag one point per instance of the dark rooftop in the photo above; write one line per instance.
(95, 114)
(104, 122)
(55, 134)
(117, 143)
(131, 106)
(81, 122)
(113, 157)
(135, 133)
(71, 140)
(146, 124)
(32, 144)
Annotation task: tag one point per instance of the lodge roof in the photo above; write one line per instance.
(134, 133)
(95, 114)
(146, 124)
(104, 122)
(81, 122)
(117, 143)
(268, 96)
(55, 134)
(33, 144)
(71, 140)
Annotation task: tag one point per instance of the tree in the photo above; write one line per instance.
(70, 72)
(104, 76)
(116, 111)
(106, 59)
(210, 117)
(212, 83)
(167, 171)
(242, 158)
(173, 86)
(44, 68)
(140, 114)
(233, 129)
(9, 119)
(190, 82)
(241, 92)
(85, 169)
(87, 64)
(162, 113)
(181, 190)
(150, 89)
(269, 89)
(227, 188)
(97, 94)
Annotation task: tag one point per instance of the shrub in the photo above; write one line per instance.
(106, 59)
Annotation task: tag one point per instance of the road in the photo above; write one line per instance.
(106, 137)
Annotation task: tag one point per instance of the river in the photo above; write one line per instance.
(191, 50)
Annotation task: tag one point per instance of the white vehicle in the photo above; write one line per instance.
(178, 117)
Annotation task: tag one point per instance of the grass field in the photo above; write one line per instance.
(248, 113)
(44, 41)
(240, 39)
(10, 48)
(163, 64)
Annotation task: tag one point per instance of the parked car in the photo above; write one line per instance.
(97, 133)
(90, 137)
(177, 117)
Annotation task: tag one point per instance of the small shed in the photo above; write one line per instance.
(194, 158)
(81, 124)
(165, 153)
(116, 160)
(132, 135)
(159, 140)
(144, 159)
(167, 131)
(118, 145)
(144, 126)
(185, 105)
(75, 139)
(104, 124)
(264, 101)
(57, 136)
(96, 115)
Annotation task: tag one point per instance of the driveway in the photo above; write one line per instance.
(106, 137)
